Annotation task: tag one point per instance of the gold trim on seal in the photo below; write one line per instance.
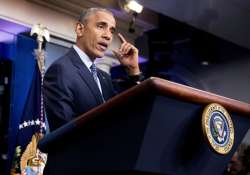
(206, 116)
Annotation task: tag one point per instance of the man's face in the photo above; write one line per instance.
(96, 34)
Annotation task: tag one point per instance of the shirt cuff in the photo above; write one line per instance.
(136, 78)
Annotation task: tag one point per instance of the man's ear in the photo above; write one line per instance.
(79, 29)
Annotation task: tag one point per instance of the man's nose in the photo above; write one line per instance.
(107, 35)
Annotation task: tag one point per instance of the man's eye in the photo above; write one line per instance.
(100, 26)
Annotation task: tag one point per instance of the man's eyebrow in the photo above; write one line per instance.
(102, 23)
(106, 24)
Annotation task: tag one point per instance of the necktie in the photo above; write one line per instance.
(94, 74)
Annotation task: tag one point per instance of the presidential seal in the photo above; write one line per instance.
(217, 127)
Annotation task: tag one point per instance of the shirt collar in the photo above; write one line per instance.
(85, 59)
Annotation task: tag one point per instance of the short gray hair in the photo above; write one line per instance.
(86, 13)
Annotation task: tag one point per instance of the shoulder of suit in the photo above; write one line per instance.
(61, 60)
(103, 72)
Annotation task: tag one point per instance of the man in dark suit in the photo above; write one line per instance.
(72, 84)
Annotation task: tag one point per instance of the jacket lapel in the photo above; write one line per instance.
(104, 85)
(85, 75)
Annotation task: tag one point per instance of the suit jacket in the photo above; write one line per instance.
(70, 89)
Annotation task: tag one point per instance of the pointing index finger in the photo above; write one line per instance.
(123, 40)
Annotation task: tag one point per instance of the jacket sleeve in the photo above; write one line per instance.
(58, 97)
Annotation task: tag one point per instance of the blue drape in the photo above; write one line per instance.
(24, 62)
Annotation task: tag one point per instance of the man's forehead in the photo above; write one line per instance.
(104, 17)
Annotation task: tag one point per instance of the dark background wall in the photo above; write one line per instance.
(228, 19)
(188, 55)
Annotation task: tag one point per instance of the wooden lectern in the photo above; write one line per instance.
(152, 128)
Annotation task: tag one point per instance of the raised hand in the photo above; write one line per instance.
(128, 56)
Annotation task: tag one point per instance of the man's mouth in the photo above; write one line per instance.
(103, 46)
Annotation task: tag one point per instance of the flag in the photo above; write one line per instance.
(28, 159)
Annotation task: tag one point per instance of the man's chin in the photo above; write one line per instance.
(100, 54)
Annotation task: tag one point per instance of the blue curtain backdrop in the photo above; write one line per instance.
(24, 64)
